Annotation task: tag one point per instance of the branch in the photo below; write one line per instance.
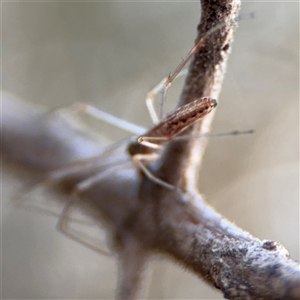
(206, 73)
(146, 218)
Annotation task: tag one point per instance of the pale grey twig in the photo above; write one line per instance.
(146, 218)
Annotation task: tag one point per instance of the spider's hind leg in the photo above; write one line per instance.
(77, 199)
(63, 226)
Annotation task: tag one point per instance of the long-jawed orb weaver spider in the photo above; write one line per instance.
(142, 150)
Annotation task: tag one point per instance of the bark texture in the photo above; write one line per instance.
(144, 217)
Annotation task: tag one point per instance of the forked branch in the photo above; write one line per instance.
(146, 217)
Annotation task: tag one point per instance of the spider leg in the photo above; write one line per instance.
(163, 85)
(78, 168)
(139, 159)
(64, 218)
(62, 226)
(152, 140)
(103, 116)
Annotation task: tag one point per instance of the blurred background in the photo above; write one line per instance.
(109, 54)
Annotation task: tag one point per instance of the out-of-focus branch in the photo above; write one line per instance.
(145, 217)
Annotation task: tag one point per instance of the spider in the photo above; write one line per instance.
(142, 149)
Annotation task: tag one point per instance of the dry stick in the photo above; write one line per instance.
(132, 262)
(195, 235)
(226, 257)
(146, 217)
(204, 79)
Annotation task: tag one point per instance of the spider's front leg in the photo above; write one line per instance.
(163, 86)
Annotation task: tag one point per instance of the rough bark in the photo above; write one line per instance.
(146, 218)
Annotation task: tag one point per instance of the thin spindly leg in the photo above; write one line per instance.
(80, 188)
(139, 160)
(63, 228)
(56, 176)
(148, 140)
(104, 116)
(163, 85)
(102, 161)
(86, 184)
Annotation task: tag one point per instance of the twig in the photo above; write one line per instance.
(145, 217)
(204, 79)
